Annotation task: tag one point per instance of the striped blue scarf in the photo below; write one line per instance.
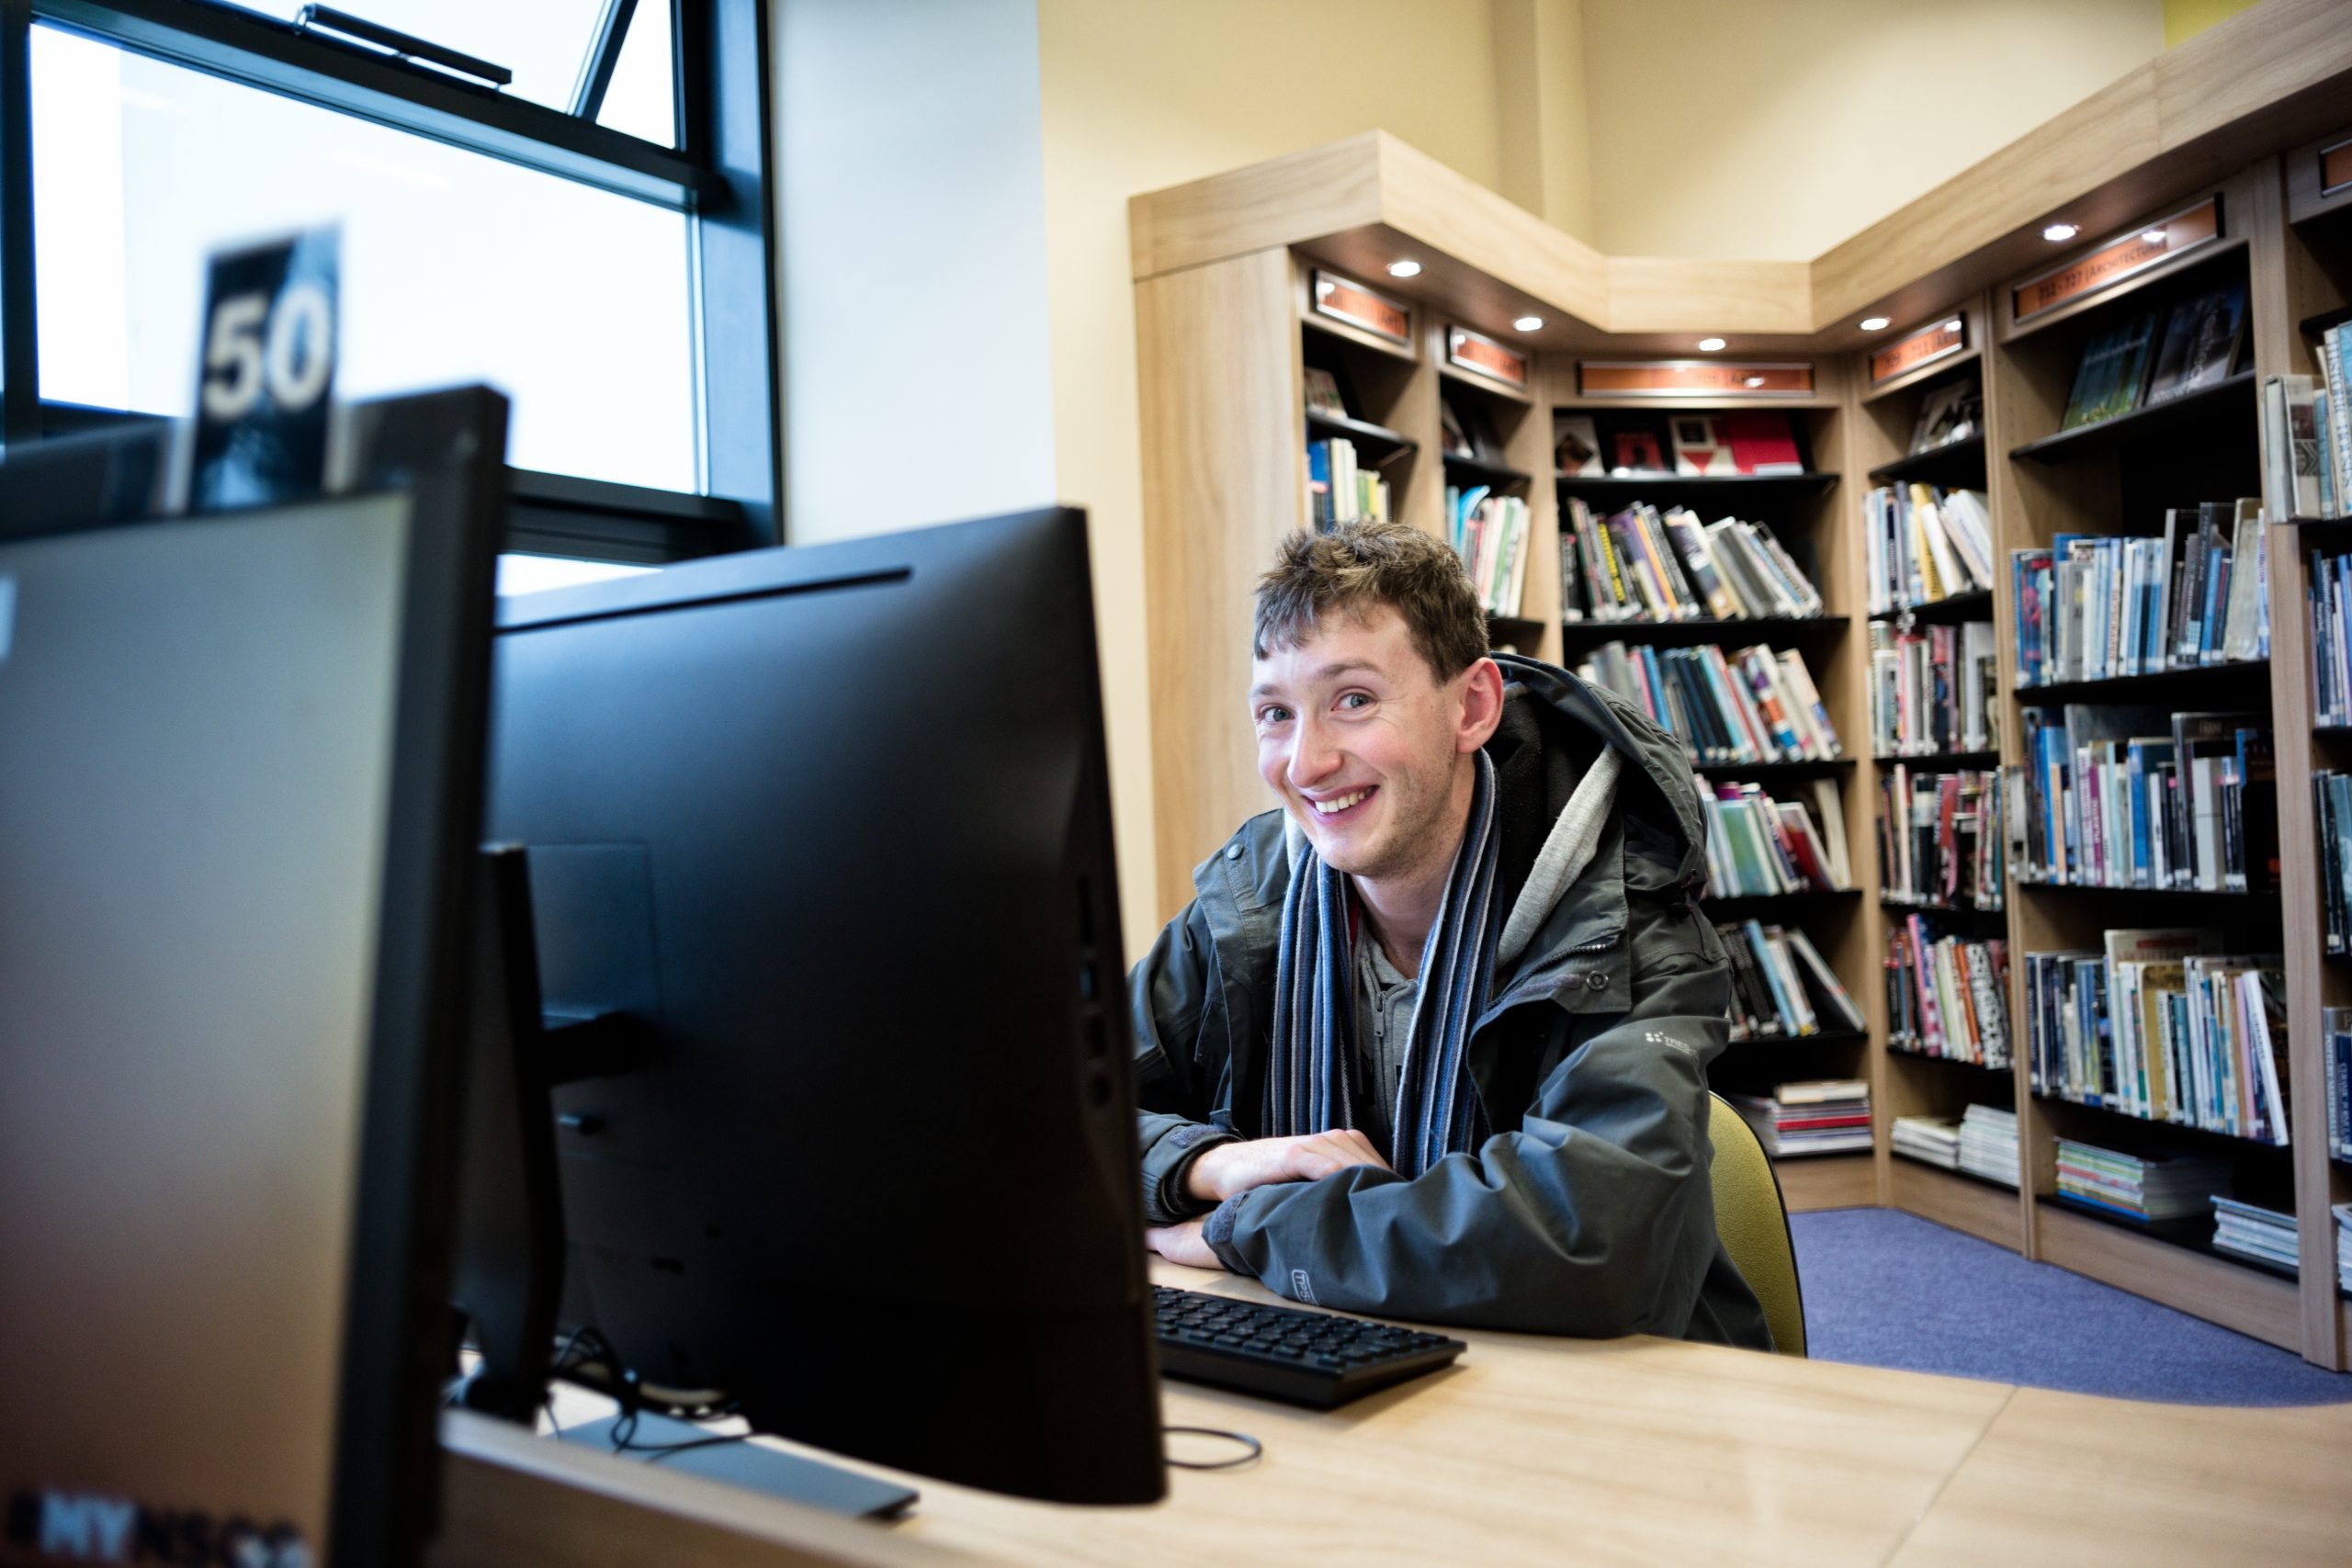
(1314, 1052)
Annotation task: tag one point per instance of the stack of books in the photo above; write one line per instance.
(2118, 796)
(1940, 838)
(2336, 1025)
(1338, 487)
(2143, 1187)
(1947, 996)
(2250, 1232)
(2093, 608)
(1935, 689)
(1758, 847)
(1926, 544)
(1753, 706)
(1930, 1140)
(1781, 986)
(2153, 358)
(1644, 565)
(2165, 1026)
(1988, 1144)
(1825, 1116)
(2343, 1212)
(1489, 532)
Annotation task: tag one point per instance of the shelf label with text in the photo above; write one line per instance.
(2126, 255)
(266, 372)
(1729, 379)
(1344, 301)
(1936, 341)
(1467, 350)
(2334, 168)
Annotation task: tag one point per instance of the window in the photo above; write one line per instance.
(489, 235)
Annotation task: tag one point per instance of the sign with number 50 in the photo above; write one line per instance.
(267, 374)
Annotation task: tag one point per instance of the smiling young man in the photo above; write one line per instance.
(1431, 1039)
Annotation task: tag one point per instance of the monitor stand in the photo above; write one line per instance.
(746, 1464)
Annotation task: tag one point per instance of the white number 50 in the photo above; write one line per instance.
(293, 359)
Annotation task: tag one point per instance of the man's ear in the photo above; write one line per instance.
(1482, 705)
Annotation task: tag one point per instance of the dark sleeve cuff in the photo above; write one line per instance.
(1218, 1231)
(1193, 1142)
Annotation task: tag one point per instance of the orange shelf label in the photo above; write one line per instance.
(2121, 257)
(1681, 378)
(1474, 351)
(2334, 168)
(1924, 346)
(1351, 302)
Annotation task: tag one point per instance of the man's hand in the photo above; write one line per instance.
(1182, 1243)
(1229, 1168)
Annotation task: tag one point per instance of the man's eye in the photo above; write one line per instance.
(1273, 715)
(1356, 700)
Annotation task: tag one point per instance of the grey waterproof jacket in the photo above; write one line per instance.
(1588, 1212)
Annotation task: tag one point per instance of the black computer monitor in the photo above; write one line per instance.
(238, 815)
(834, 823)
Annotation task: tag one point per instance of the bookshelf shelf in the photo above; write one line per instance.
(1478, 470)
(1976, 604)
(1933, 906)
(1957, 463)
(2185, 894)
(2228, 1143)
(1729, 491)
(2229, 398)
(2196, 682)
(2192, 1234)
(1678, 634)
(1770, 772)
(2313, 327)
(1825, 1037)
(1755, 905)
(1936, 761)
(1388, 441)
(1913, 1053)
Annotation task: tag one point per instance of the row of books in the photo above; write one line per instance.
(2140, 1187)
(2123, 797)
(2165, 1025)
(2094, 607)
(1489, 532)
(2250, 1232)
(1641, 564)
(1946, 995)
(1338, 487)
(1749, 706)
(1822, 1116)
(1925, 543)
(2330, 609)
(1781, 986)
(1939, 838)
(2151, 359)
(1934, 689)
(1759, 847)
(2335, 1037)
(2332, 794)
(1752, 442)
(1988, 1144)
(2307, 436)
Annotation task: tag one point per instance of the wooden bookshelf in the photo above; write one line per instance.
(1226, 329)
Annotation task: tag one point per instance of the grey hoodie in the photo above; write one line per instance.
(1589, 1211)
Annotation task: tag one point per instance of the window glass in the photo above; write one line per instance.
(536, 574)
(455, 267)
(642, 95)
(544, 42)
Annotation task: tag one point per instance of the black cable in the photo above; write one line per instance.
(1256, 1449)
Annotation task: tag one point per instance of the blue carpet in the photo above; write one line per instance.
(1886, 1288)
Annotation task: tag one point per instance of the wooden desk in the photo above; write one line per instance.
(1533, 1450)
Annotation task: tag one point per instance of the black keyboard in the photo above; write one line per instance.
(1301, 1358)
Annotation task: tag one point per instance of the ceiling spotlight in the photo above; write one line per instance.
(2059, 233)
(1404, 269)
(1710, 345)
(1529, 323)
(2156, 236)
(1953, 325)
(1875, 323)
(1754, 381)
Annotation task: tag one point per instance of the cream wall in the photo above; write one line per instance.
(1774, 132)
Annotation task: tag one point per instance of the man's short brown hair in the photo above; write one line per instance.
(1353, 568)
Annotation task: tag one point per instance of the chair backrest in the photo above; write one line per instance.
(1752, 1222)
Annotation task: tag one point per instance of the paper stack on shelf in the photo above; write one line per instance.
(2143, 1188)
(1825, 1116)
(1931, 1140)
(2250, 1232)
(1988, 1144)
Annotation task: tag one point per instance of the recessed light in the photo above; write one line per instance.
(1529, 323)
(1953, 325)
(1755, 382)
(1710, 345)
(2156, 236)
(1875, 323)
(2058, 234)
(1404, 269)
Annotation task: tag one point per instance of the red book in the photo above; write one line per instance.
(1760, 443)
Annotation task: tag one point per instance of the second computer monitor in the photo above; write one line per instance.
(834, 823)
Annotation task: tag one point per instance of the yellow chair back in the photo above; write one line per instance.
(1752, 1222)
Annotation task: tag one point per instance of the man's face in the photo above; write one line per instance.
(1359, 741)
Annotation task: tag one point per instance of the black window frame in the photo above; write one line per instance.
(716, 176)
